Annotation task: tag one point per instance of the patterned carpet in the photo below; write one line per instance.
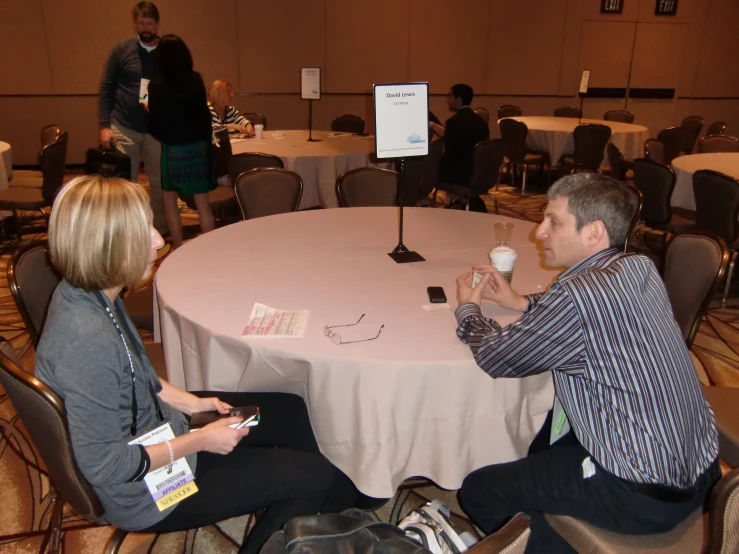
(24, 488)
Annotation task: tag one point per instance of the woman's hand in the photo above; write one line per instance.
(219, 438)
(212, 403)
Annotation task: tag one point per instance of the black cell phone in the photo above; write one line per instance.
(436, 295)
(250, 414)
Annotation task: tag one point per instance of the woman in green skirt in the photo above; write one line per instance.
(179, 118)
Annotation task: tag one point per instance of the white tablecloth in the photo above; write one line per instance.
(6, 164)
(317, 163)
(554, 135)
(685, 166)
(412, 402)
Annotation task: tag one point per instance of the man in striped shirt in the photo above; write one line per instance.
(631, 444)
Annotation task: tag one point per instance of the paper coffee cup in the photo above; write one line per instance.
(502, 258)
(258, 131)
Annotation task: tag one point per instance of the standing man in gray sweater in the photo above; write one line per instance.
(123, 93)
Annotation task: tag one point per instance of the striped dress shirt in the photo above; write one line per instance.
(621, 369)
(232, 115)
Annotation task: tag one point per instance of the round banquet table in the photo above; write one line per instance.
(317, 163)
(554, 135)
(413, 402)
(685, 166)
(6, 164)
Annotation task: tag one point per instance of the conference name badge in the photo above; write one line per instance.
(168, 485)
(144, 90)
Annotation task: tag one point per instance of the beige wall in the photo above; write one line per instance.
(527, 52)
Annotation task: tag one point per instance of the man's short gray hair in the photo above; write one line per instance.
(595, 197)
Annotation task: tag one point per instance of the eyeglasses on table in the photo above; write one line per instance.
(336, 337)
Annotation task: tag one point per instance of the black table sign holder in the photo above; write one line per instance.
(401, 254)
(310, 123)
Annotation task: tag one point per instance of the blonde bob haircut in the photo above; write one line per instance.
(99, 232)
(219, 92)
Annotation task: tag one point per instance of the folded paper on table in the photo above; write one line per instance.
(271, 323)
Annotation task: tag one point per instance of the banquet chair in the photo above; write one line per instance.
(32, 280)
(654, 150)
(238, 163)
(31, 177)
(638, 202)
(568, 111)
(488, 156)
(724, 402)
(718, 143)
(693, 125)
(676, 141)
(367, 186)
(623, 116)
(483, 113)
(412, 179)
(616, 162)
(590, 143)
(509, 110)
(222, 153)
(255, 118)
(348, 123)
(711, 529)
(693, 266)
(514, 135)
(429, 179)
(50, 134)
(22, 198)
(717, 210)
(268, 191)
(716, 128)
(44, 417)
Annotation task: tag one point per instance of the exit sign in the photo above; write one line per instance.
(611, 6)
(665, 7)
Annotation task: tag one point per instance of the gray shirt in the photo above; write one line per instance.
(82, 358)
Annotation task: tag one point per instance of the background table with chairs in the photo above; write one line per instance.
(685, 166)
(554, 135)
(411, 402)
(317, 163)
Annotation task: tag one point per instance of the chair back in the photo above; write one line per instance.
(693, 266)
(255, 118)
(656, 182)
(693, 125)
(622, 116)
(718, 143)
(44, 417)
(716, 204)
(488, 158)
(637, 202)
(348, 123)
(222, 152)
(268, 191)
(50, 134)
(723, 515)
(654, 150)
(413, 170)
(568, 111)
(590, 144)
(238, 163)
(509, 110)
(32, 280)
(483, 113)
(676, 141)
(367, 186)
(514, 135)
(53, 166)
(716, 128)
(429, 179)
(616, 162)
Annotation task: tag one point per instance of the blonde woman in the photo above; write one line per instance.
(222, 113)
(101, 238)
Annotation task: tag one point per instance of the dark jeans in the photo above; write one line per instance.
(277, 467)
(550, 480)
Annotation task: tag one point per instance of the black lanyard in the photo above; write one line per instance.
(134, 405)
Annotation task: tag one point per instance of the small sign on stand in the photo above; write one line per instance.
(665, 7)
(310, 89)
(401, 131)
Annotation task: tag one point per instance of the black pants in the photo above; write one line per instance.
(277, 467)
(550, 480)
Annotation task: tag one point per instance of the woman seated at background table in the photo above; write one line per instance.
(222, 113)
(101, 238)
(179, 119)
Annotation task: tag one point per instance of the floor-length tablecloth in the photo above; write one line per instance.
(412, 402)
(554, 135)
(317, 163)
(685, 166)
